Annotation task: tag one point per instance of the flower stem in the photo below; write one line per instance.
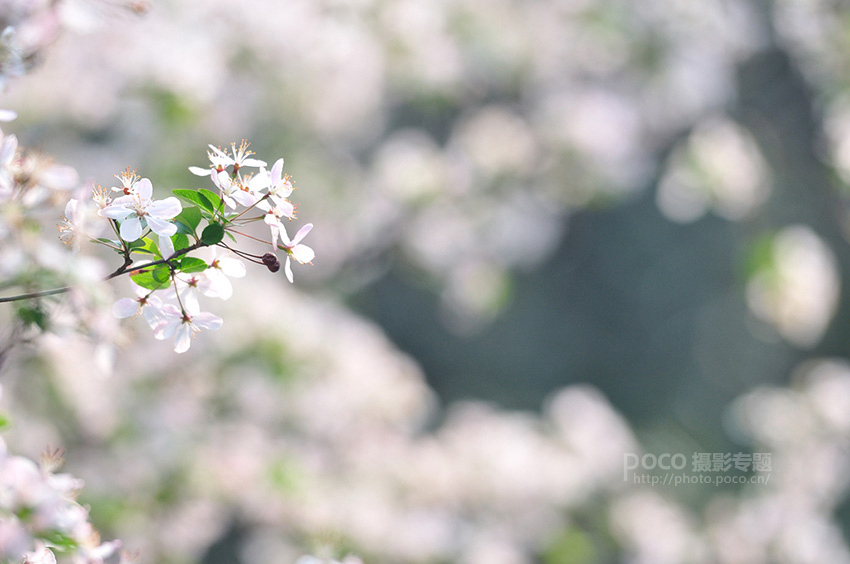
(123, 269)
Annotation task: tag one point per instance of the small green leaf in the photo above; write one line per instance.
(195, 197)
(180, 241)
(192, 264)
(33, 315)
(187, 221)
(152, 279)
(146, 246)
(213, 197)
(5, 421)
(60, 541)
(212, 234)
(161, 273)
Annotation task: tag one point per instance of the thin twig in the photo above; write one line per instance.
(123, 269)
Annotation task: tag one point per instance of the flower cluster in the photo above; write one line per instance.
(169, 282)
(39, 517)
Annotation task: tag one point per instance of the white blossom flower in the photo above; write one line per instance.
(221, 266)
(183, 326)
(144, 303)
(294, 249)
(79, 223)
(189, 288)
(279, 185)
(72, 227)
(134, 208)
(233, 190)
(240, 157)
(128, 180)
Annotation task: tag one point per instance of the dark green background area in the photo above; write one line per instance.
(651, 312)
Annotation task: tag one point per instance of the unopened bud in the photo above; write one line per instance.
(271, 262)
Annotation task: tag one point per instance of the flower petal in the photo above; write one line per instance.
(165, 328)
(115, 211)
(277, 171)
(302, 233)
(165, 209)
(232, 267)
(144, 188)
(125, 307)
(288, 270)
(131, 229)
(207, 321)
(253, 162)
(198, 171)
(247, 199)
(161, 227)
(303, 253)
(166, 247)
(183, 338)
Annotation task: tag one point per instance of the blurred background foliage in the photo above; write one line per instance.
(638, 201)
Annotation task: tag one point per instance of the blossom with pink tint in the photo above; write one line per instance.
(183, 326)
(294, 249)
(135, 208)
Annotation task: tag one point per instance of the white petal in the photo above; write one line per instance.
(207, 321)
(302, 233)
(71, 210)
(253, 162)
(153, 311)
(131, 229)
(283, 236)
(183, 338)
(144, 188)
(165, 328)
(7, 115)
(166, 247)
(125, 307)
(218, 152)
(161, 227)
(284, 208)
(165, 209)
(303, 253)
(115, 211)
(247, 199)
(232, 267)
(288, 270)
(198, 171)
(189, 297)
(221, 180)
(277, 171)
(259, 181)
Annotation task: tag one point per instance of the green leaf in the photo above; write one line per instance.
(212, 234)
(152, 279)
(187, 221)
(146, 246)
(192, 264)
(33, 315)
(5, 421)
(60, 541)
(161, 273)
(196, 197)
(180, 241)
(213, 197)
